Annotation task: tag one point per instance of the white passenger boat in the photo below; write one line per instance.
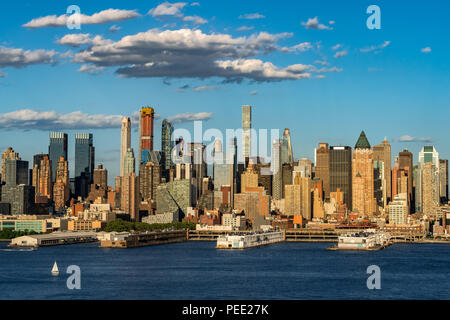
(370, 239)
(251, 240)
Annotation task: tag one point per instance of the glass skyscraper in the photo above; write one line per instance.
(57, 149)
(84, 155)
(166, 143)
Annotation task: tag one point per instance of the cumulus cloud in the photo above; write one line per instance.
(195, 19)
(105, 16)
(175, 9)
(407, 138)
(252, 16)
(78, 39)
(376, 49)
(313, 23)
(18, 58)
(168, 9)
(91, 69)
(254, 93)
(426, 50)
(336, 47)
(322, 62)
(188, 53)
(189, 116)
(301, 47)
(340, 54)
(205, 88)
(28, 119)
(114, 28)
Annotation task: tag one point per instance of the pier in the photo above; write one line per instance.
(54, 239)
(136, 240)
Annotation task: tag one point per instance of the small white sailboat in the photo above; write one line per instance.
(55, 271)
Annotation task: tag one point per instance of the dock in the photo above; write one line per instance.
(135, 240)
(54, 239)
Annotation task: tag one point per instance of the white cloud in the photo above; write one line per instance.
(195, 19)
(205, 88)
(78, 39)
(168, 9)
(336, 47)
(28, 119)
(324, 63)
(340, 54)
(377, 49)
(252, 16)
(114, 28)
(105, 16)
(187, 53)
(91, 69)
(185, 117)
(301, 47)
(407, 138)
(313, 23)
(2, 74)
(426, 50)
(18, 58)
(254, 93)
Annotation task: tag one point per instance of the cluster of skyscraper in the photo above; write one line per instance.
(341, 184)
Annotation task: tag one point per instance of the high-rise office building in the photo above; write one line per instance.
(84, 163)
(341, 173)
(428, 154)
(443, 179)
(246, 131)
(125, 142)
(405, 163)
(286, 148)
(430, 189)
(61, 188)
(146, 119)
(57, 149)
(199, 167)
(8, 154)
(101, 177)
(323, 167)
(84, 155)
(150, 179)
(129, 162)
(249, 179)
(382, 152)
(167, 144)
(42, 178)
(363, 199)
(130, 198)
(16, 172)
(277, 181)
(298, 200)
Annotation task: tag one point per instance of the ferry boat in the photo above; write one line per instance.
(370, 239)
(251, 240)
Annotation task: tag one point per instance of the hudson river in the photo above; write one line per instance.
(196, 270)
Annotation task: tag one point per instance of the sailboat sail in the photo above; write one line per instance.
(55, 269)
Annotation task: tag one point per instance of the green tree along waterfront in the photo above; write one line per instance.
(120, 225)
(10, 234)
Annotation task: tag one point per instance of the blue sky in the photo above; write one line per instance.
(391, 82)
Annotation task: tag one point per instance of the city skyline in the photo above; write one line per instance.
(376, 88)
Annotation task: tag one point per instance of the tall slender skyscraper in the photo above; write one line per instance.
(363, 199)
(167, 143)
(246, 130)
(57, 149)
(443, 179)
(405, 162)
(286, 148)
(125, 142)
(341, 172)
(428, 182)
(84, 163)
(382, 152)
(61, 192)
(277, 182)
(146, 118)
